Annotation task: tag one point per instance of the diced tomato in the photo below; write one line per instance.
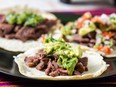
(106, 50)
(87, 15)
(96, 19)
(98, 47)
(104, 33)
(108, 34)
(79, 22)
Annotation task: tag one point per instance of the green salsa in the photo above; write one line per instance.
(67, 56)
(25, 18)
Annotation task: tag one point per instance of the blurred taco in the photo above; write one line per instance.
(58, 60)
(22, 27)
(98, 32)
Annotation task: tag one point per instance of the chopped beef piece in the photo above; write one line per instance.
(25, 33)
(86, 69)
(1, 33)
(54, 73)
(114, 36)
(55, 57)
(17, 28)
(92, 41)
(31, 61)
(114, 42)
(48, 70)
(38, 34)
(2, 18)
(80, 39)
(39, 60)
(43, 28)
(39, 27)
(80, 67)
(63, 72)
(87, 40)
(91, 35)
(52, 69)
(41, 54)
(6, 28)
(43, 22)
(45, 25)
(55, 65)
(42, 64)
(49, 64)
(48, 23)
(83, 60)
(10, 36)
(77, 72)
(36, 60)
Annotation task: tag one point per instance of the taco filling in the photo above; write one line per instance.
(58, 58)
(24, 26)
(98, 32)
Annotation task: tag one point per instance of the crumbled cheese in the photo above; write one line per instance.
(105, 19)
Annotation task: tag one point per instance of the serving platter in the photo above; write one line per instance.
(9, 67)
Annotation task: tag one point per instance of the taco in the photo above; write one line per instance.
(98, 32)
(58, 60)
(22, 27)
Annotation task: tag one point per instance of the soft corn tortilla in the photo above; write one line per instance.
(96, 66)
(18, 45)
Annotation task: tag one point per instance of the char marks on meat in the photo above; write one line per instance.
(49, 64)
(82, 65)
(91, 35)
(88, 40)
(24, 33)
(80, 39)
(41, 54)
(6, 28)
(31, 61)
(42, 64)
